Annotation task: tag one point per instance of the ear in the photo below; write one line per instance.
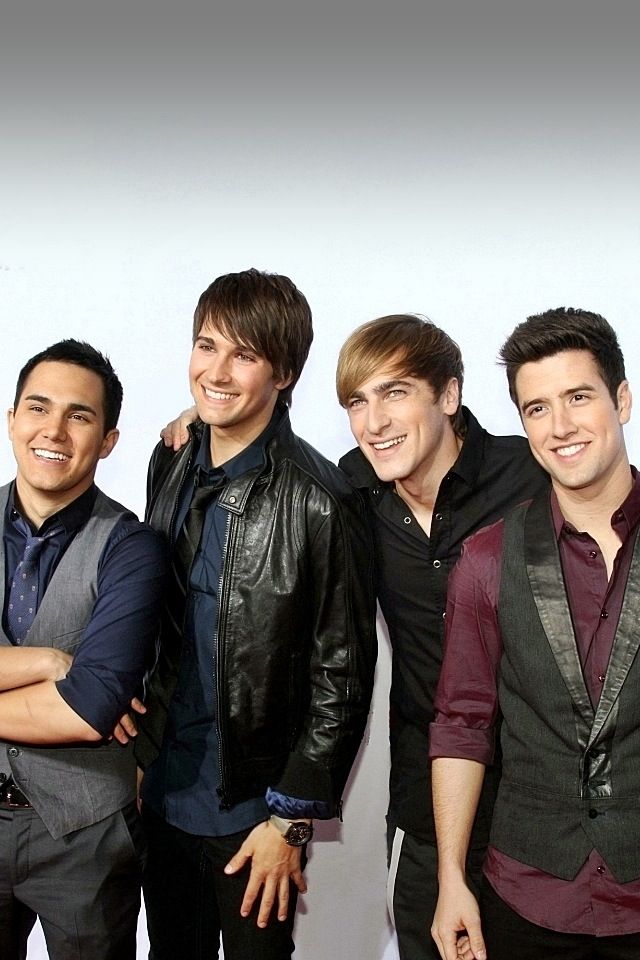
(109, 442)
(10, 423)
(284, 383)
(450, 397)
(623, 395)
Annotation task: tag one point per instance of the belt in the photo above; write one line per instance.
(11, 796)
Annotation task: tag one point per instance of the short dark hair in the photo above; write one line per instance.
(564, 328)
(263, 311)
(82, 355)
(417, 347)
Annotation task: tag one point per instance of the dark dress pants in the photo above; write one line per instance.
(84, 888)
(412, 889)
(190, 901)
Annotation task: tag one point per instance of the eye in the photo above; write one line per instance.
(396, 392)
(79, 416)
(535, 411)
(246, 357)
(354, 403)
(36, 408)
(579, 398)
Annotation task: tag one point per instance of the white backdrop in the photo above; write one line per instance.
(475, 162)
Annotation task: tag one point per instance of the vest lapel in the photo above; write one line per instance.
(547, 584)
(625, 646)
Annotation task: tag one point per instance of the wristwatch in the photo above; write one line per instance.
(294, 832)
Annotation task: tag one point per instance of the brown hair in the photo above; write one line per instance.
(263, 311)
(412, 345)
(564, 328)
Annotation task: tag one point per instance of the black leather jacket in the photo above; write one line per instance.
(296, 642)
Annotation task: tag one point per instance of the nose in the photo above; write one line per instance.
(561, 422)
(377, 417)
(218, 368)
(55, 428)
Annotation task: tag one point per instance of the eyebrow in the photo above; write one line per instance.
(380, 388)
(76, 407)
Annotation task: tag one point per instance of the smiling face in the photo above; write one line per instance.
(573, 427)
(235, 391)
(57, 433)
(402, 428)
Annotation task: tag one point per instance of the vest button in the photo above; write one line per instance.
(13, 752)
(593, 814)
(437, 564)
(600, 868)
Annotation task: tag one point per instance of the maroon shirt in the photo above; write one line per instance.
(466, 705)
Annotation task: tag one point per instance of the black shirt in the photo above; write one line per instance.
(490, 475)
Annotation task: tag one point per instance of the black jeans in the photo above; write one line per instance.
(190, 901)
(507, 936)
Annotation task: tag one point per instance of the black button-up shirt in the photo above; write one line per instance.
(490, 475)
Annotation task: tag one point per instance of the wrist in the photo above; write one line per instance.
(296, 833)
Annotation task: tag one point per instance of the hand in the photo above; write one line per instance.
(457, 911)
(125, 729)
(273, 864)
(175, 433)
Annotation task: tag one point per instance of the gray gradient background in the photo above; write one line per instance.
(475, 162)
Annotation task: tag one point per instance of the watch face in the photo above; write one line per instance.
(298, 834)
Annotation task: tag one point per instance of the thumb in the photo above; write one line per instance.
(476, 940)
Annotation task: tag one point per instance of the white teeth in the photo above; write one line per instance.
(50, 455)
(569, 451)
(216, 395)
(385, 444)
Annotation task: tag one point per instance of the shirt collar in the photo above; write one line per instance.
(251, 458)
(623, 520)
(70, 518)
(471, 455)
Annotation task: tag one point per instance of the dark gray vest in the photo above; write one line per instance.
(71, 787)
(571, 774)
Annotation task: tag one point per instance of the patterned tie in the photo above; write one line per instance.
(23, 596)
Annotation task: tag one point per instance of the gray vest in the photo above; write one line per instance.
(571, 776)
(71, 787)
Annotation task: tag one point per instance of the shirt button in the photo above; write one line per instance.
(593, 814)
(601, 677)
(600, 868)
(593, 554)
(437, 564)
(407, 519)
(438, 516)
(13, 752)
(604, 615)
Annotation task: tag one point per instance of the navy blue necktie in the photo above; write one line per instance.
(23, 596)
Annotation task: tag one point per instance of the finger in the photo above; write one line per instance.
(138, 705)
(283, 898)
(120, 735)
(237, 862)
(250, 894)
(298, 878)
(266, 903)
(476, 941)
(180, 438)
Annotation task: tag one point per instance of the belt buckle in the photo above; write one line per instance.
(11, 796)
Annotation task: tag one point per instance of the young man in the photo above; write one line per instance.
(544, 606)
(261, 694)
(431, 476)
(81, 583)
